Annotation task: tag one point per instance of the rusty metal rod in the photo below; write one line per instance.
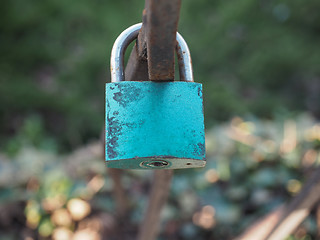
(160, 20)
(152, 58)
(161, 26)
(158, 198)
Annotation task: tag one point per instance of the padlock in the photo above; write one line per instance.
(153, 125)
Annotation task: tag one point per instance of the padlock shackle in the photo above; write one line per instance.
(184, 59)
(131, 33)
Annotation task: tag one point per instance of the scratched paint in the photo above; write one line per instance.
(154, 121)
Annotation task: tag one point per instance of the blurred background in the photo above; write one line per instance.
(259, 65)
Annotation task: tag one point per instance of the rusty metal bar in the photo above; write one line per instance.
(161, 27)
(152, 58)
(160, 24)
(137, 66)
(158, 198)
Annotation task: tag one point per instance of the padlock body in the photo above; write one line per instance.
(158, 125)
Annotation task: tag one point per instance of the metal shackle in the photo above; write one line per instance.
(131, 33)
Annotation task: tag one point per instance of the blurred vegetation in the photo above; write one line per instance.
(253, 166)
(253, 57)
(256, 59)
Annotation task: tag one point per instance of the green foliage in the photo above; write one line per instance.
(252, 57)
(31, 132)
(54, 63)
(258, 54)
(255, 58)
(253, 166)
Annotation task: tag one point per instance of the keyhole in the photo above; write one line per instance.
(158, 164)
(155, 164)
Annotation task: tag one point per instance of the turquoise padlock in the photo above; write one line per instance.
(153, 125)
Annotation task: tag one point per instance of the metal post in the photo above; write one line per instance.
(152, 58)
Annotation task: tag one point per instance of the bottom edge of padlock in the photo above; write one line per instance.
(156, 163)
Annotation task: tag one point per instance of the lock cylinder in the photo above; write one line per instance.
(155, 164)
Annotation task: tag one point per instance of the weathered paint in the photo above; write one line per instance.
(154, 125)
